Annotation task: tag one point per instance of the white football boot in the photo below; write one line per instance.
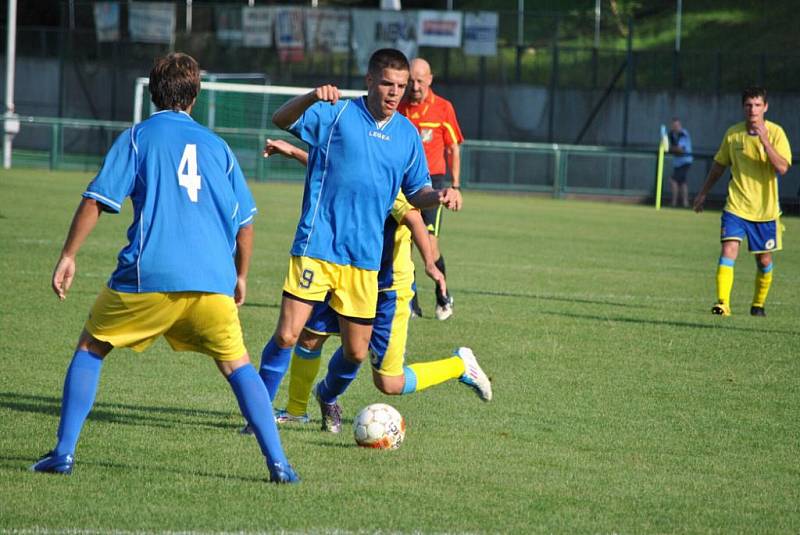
(474, 376)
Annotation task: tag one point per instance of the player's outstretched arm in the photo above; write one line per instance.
(419, 233)
(714, 174)
(428, 197)
(244, 251)
(84, 220)
(291, 110)
(284, 148)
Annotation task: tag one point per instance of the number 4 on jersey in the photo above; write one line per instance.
(187, 172)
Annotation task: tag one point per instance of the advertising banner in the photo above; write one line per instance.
(373, 29)
(228, 23)
(257, 26)
(327, 30)
(151, 22)
(289, 38)
(106, 21)
(439, 28)
(480, 33)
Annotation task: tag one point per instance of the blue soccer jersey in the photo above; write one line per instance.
(355, 169)
(189, 199)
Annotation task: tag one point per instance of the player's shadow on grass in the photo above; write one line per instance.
(22, 464)
(669, 323)
(540, 297)
(120, 413)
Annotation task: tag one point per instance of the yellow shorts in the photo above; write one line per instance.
(353, 291)
(190, 321)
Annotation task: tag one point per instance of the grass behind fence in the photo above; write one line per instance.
(621, 405)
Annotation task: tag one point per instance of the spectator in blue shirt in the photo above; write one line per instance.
(680, 146)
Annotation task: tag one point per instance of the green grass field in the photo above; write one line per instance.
(621, 404)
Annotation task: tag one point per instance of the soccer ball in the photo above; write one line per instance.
(379, 426)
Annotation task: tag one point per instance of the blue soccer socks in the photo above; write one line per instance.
(274, 363)
(341, 373)
(80, 388)
(256, 407)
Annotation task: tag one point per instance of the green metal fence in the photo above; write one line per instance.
(79, 144)
(553, 169)
(560, 169)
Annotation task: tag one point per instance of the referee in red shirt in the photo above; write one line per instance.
(438, 127)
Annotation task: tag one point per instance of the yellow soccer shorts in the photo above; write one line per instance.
(207, 323)
(390, 331)
(353, 291)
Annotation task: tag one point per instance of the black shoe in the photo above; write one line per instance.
(416, 311)
(757, 311)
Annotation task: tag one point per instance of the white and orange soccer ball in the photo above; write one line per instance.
(379, 426)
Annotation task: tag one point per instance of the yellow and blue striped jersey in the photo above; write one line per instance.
(397, 268)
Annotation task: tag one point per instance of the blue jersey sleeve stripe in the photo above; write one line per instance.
(410, 165)
(103, 199)
(247, 221)
(235, 211)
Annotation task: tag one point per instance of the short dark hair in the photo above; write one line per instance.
(174, 81)
(387, 58)
(754, 92)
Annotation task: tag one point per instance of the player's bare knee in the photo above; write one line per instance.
(87, 342)
(286, 337)
(311, 341)
(389, 385)
(356, 357)
(227, 367)
(730, 249)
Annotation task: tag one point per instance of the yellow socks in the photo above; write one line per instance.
(303, 371)
(724, 280)
(422, 375)
(763, 282)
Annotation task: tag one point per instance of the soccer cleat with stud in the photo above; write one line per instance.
(474, 376)
(331, 414)
(721, 309)
(50, 463)
(757, 311)
(444, 311)
(282, 416)
(282, 473)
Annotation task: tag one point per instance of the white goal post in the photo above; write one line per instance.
(231, 105)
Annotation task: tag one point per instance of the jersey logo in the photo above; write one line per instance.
(379, 135)
(426, 134)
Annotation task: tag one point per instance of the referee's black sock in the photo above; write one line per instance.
(440, 265)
